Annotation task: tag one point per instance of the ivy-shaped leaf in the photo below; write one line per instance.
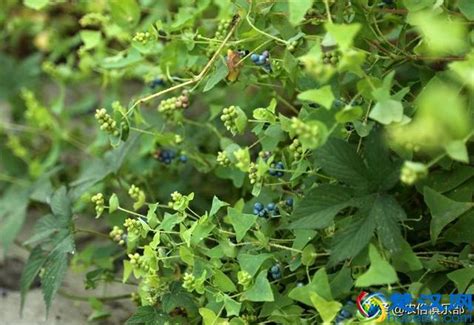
(261, 290)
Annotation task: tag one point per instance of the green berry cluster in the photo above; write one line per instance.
(244, 279)
(36, 113)
(291, 46)
(172, 104)
(253, 176)
(190, 283)
(137, 261)
(99, 202)
(229, 115)
(412, 172)
(106, 122)
(248, 318)
(220, 34)
(297, 149)
(132, 225)
(137, 195)
(143, 37)
(223, 159)
(180, 202)
(451, 262)
(308, 134)
(331, 57)
(329, 231)
(116, 234)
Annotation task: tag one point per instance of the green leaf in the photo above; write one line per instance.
(308, 257)
(55, 269)
(349, 113)
(148, 315)
(217, 75)
(318, 207)
(343, 34)
(30, 271)
(443, 211)
(406, 260)
(125, 13)
(90, 38)
(223, 282)
(209, 317)
(216, 205)
(340, 160)
(36, 4)
(322, 96)
(61, 205)
(113, 203)
(319, 284)
(415, 5)
(457, 150)
(232, 307)
(387, 112)
(467, 8)
(462, 278)
(251, 263)
(380, 271)
(13, 205)
(261, 290)
(241, 222)
(297, 10)
(327, 309)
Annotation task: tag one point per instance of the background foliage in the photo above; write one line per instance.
(255, 161)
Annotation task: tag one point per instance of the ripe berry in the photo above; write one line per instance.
(265, 54)
(258, 206)
(289, 202)
(183, 158)
(271, 206)
(254, 57)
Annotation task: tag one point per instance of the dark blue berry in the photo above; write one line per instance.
(254, 57)
(276, 212)
(258, 206)
(262, 213)
(289, 202)
(265, 54)
(271, 206)
(183, 158)
(261, 59)
(276, 276)
(156, 82)
(255, 211)
(280, 165)
(167, 161)
(345, 313)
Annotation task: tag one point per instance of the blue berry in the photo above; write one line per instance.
(258, 206)
(271, 206)
(261, 59)
(345, 313)
(254, 57)
(275, 269)
(183, 158)
(167, 161)
(156, 82)
(276, 212)
(255, 211)
(280, 165)
(276, 276)
(262, 213)
(289, 202)
(265, 54)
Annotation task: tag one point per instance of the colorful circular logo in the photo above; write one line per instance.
(372, 306)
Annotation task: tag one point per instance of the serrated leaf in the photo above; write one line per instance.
(148, 315)
(319, 207)
(322, 96)
(443, 211)
(55, 269)
(340, 160)
(61, 205)
(241, 222)
(297, 10)
(260, 291)
(30, 271)
(380, 271)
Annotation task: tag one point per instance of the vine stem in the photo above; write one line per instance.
(197, 78)
(247, 17)
(86, 298)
